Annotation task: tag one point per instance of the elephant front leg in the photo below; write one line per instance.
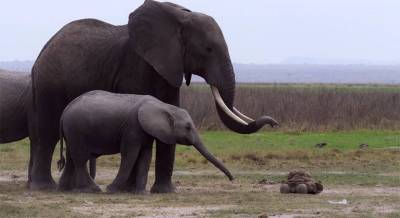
(165, 154)
(141, 170)
(165, 157)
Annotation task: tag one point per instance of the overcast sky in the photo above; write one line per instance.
(257, 31)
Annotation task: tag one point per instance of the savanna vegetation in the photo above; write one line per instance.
(360, 162)
(368, 178)
(302, 107)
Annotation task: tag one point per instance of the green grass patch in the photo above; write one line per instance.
(284, 150)
(228, 141)
(266, 150)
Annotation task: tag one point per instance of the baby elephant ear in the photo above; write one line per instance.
(156, 121)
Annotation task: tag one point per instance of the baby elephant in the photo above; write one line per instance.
(102, 123)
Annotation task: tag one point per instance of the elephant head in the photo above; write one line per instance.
(177, 42)
(172, 125)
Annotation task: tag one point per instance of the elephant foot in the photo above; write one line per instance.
(64, 186)
(28, 184)
(88, 189)
(139, 191)
(116, 188)
(163, 188)
(47, 185)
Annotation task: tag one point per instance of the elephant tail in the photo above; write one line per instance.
(61, 162)
(92, 167)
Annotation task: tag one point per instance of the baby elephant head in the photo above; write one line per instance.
(173, 125)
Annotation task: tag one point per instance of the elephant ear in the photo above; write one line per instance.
(157, 121)
(155, 33)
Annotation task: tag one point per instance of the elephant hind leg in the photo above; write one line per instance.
(44, 138)
(92, 167)
(67, 179)
(31, 157)
(83, 182)
(40, 164)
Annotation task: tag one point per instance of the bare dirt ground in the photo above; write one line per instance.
(206, 193)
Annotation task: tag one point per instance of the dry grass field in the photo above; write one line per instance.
(342, 116)
(304, 107)
(368, 178)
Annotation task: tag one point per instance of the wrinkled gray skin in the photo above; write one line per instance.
(15, 109)
(102, 123)
(161, 43)
(15, 99)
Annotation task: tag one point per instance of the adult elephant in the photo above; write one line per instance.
(161, 43)
(15, 102)
(15, 109)
(15, 106)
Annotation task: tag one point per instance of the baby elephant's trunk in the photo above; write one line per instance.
(203, 150)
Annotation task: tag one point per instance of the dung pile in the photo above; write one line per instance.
(300, 181)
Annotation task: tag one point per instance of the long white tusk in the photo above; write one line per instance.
(221, 103)
(244, 117)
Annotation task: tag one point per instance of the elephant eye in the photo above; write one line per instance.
(209, 50)
(187, 127)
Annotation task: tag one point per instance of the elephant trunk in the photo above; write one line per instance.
(198, 144)
(224, 93)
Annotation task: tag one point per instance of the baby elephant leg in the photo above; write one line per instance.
(129, 154)
(92, 167)
(141, 170)
(83, 182)
(67, 178)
